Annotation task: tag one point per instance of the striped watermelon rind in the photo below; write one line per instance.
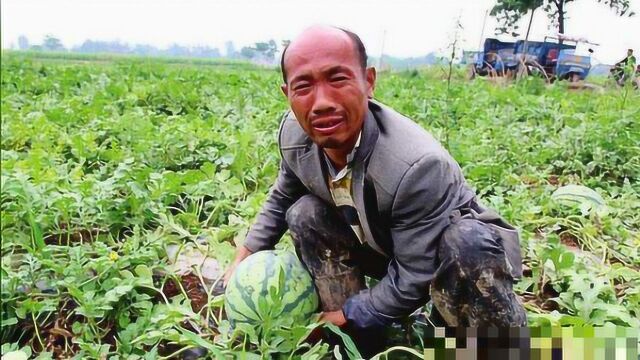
(578, 195)
(268, 285)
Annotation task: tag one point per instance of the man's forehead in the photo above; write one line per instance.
(319, 36)
(320, 44)
(319, 51)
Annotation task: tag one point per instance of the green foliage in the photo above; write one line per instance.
(509, 12)
(106, 164)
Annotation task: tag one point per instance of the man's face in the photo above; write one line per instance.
(629, 52)
(327, 88)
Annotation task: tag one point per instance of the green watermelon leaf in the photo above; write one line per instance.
(36, 233)
(199, 341)
(352, 351)
(15, 355)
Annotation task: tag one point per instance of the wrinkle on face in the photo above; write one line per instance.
(325, 78)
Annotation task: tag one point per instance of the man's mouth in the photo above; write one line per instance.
(327, 126)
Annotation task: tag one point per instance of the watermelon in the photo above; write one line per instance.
(579, 195)
(268, 285)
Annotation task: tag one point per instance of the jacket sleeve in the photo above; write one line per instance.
(428, 192)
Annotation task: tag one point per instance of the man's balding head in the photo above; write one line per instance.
(319, 33)
(328, 84)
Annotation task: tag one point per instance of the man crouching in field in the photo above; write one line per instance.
(365, 191)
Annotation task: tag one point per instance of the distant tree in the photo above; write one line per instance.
(273, 48)
(266, 50)
(88, 46)
(509, 12)
(215, 53)
(145, 50)
(118, 47)
(205, 52)
(403, 63)
(23, 42)
(230, 50)
(51, 43)
(248, 52)
(177, 50)
(92, 46)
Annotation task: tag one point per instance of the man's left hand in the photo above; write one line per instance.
(335, 317)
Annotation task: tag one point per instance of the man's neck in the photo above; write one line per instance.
(338, 157)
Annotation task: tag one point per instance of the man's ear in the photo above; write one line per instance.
(370, 75)
(285, 90)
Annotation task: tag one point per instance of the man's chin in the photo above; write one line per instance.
(328, 143)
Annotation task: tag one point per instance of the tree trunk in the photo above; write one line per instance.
(560, 4)
(526, 38)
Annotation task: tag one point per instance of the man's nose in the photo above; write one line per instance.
(323, 102)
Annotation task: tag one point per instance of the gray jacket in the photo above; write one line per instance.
(405, 188)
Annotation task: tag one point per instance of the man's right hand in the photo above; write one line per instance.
(241, 254)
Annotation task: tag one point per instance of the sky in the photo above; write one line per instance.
(396, 27)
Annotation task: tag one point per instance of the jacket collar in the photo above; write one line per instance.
(369, 135)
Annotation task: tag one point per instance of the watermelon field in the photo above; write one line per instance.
(127, 183)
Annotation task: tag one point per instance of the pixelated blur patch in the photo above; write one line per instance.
(584, 342)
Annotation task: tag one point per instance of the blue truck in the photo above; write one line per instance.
(555, 58)
(493, 60)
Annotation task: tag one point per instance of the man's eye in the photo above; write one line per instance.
(301, 87)
(339, 78)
